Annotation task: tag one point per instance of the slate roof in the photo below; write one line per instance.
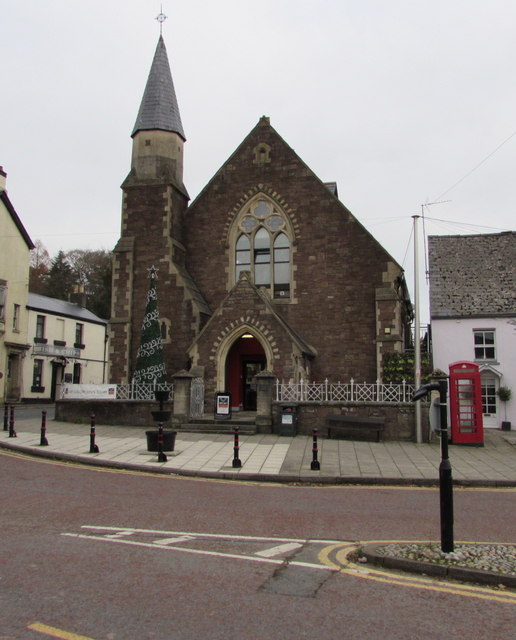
(159, 109)
(57, 307)
(472, 276)
(16, 219)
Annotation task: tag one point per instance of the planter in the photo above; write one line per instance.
(161, 416)
(506, 426)
(169, 440)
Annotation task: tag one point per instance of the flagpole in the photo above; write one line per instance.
(417, 331)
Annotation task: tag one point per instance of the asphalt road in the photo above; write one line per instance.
(96, 554)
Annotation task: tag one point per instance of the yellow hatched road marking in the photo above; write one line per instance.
(344, 565)
(55, 633)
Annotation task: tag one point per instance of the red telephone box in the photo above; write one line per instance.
(466, 404)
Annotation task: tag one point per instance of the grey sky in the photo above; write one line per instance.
(395, 100)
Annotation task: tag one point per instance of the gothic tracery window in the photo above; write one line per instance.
(263, 248)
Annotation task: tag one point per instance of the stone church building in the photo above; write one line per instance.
(265, 269)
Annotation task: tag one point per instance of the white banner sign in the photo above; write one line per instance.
(89, 391)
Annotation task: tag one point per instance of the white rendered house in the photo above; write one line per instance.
(69, 345)
(473, 312)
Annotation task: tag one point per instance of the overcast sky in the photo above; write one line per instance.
(401, 102)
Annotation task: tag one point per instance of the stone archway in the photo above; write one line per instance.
(245, 359)
(243, 353)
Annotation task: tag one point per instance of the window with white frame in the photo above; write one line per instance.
(37, 374)
(484, 344)
(40, 329)
(3, 299)
(16, 317)
(79, 335)
(263, 248)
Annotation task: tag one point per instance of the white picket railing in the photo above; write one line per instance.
(142, 391)
(343, 392)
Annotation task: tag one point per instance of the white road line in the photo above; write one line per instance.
(221, 536)
(277, 551)
(217, 554)
(165, 541)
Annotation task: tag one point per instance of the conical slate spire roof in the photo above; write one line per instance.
(158, 109)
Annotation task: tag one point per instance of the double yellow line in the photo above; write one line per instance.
(336, 556)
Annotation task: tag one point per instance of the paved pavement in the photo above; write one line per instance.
(270, 457)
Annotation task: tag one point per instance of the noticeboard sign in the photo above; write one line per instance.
(223, 405)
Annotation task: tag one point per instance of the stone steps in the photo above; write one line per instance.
(246, 425)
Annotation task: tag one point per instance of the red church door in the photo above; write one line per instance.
(245, 360)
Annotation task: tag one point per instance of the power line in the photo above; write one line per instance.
(477, 166)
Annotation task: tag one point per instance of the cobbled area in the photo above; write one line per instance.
(498, 558)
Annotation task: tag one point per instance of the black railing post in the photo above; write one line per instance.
(6, 417)
(315, 466)
(161, 456)
(236, 448)
(93, 447)
(43, 440)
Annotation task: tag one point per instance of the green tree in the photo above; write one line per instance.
(61, 279)
(92, 271)
(38, 268)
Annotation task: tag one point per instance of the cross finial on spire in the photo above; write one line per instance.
(161, 17)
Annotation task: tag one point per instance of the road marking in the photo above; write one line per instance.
(165, 541)
(55, 633)
(220, 536)
(277, 551)
(172, 537)
(342, 563)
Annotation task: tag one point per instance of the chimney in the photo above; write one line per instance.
(3, 176)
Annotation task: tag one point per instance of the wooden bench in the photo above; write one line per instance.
(348, 425)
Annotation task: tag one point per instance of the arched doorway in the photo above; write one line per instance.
(246, 358)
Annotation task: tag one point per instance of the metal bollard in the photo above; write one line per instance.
(6, 417)
(43, 440)
(315, 466)
(93, 447)
(12, 432)
(236, 447)
(161, 456)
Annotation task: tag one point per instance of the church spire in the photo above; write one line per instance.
(158, 136)
(159, 110)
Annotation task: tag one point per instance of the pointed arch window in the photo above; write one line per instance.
(264, 249)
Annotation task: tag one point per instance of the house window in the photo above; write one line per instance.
(79, 335)
(40, 329)
(77, 373)
(484, 344)
(263, 248)
(16, 317)
(37, 376)
(3, 299)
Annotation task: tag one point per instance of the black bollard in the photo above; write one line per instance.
(43, 440)
(315, 466)
(12, 432)
(6, 417)
(236, 447)
(93, 447)
(161, 456)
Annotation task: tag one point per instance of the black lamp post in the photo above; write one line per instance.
(445, 470)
